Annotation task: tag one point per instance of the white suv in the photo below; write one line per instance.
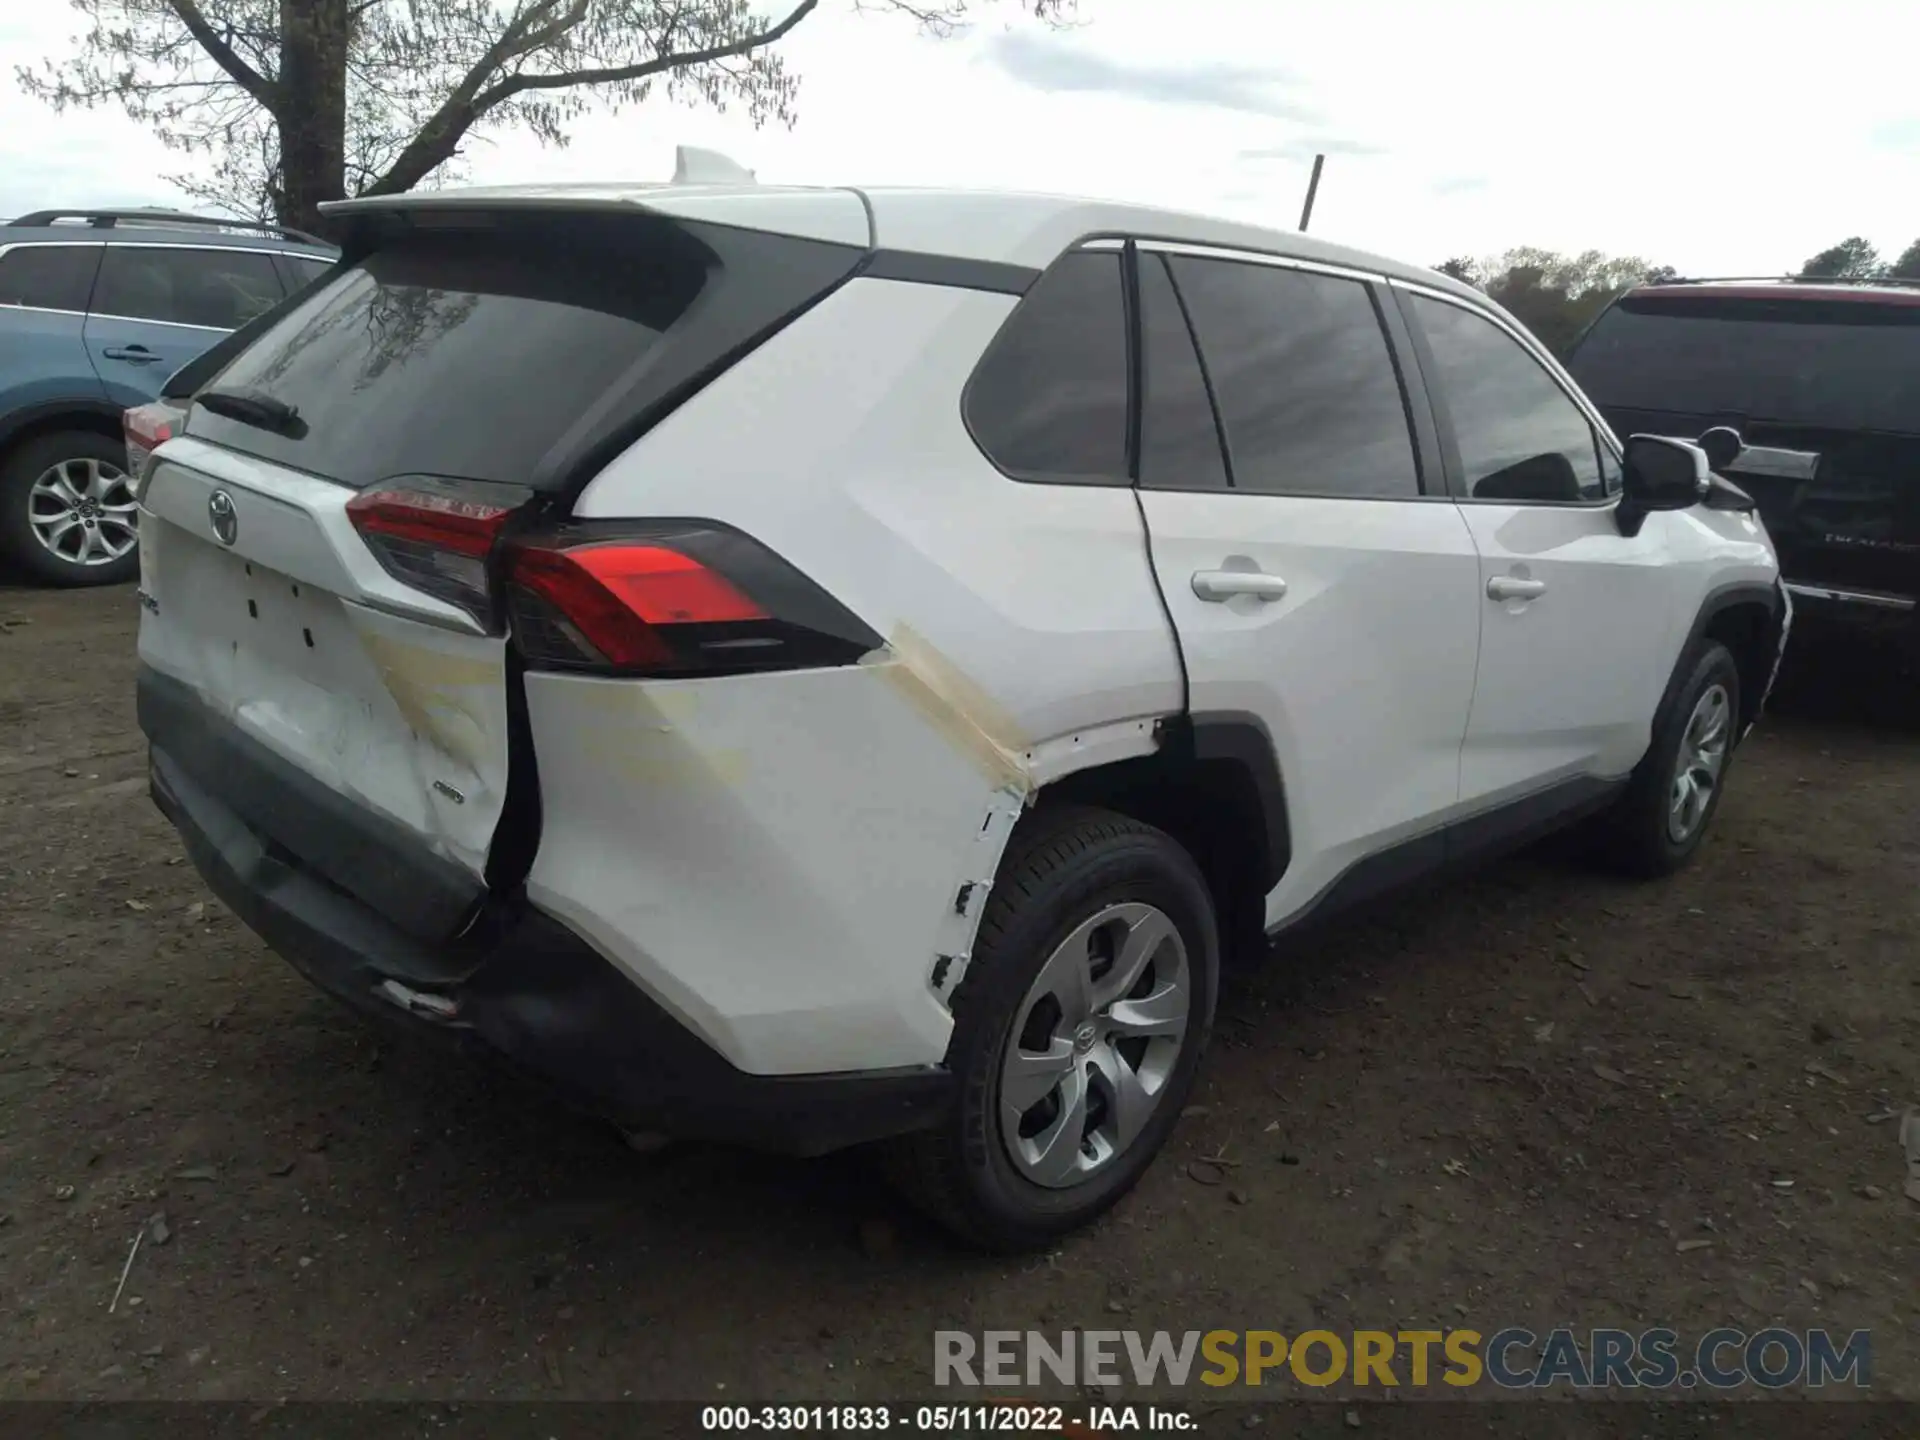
(818, 666)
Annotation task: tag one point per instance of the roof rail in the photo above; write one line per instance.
(108, 219)
(1897, 280)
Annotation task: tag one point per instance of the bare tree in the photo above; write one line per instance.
(296, 102)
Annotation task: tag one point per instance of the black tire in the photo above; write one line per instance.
(1634, 835)
(18, 471)
(1061, 869)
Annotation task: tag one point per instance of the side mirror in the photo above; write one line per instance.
(1723, 446)
(1660, 474)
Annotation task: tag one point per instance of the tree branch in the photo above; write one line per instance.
(681, 60)
(224, 55)
(440, 137)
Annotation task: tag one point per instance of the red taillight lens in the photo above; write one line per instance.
(145, 428)
(148, 426)
(689, 599)
(437, 536)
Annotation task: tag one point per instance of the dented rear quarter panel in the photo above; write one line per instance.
(795, 844)
(779, 859)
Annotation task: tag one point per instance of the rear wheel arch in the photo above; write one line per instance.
(97, 417)
(1214, 785)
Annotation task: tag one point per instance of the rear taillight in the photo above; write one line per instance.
(145, 428)
(437, 536)
(670, 599)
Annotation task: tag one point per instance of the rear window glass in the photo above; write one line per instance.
(1841, 364)
(494, 350)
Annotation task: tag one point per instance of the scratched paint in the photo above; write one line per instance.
(956, 706)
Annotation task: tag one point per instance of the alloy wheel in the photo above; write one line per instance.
(83, 511)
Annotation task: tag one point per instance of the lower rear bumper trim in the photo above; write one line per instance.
(537, 996)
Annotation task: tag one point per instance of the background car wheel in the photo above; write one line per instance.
(1655, 827)
(1077, 1031)
(67, 510)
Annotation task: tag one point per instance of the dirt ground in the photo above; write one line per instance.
(1508, 1100)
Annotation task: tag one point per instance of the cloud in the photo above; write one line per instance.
(1055, 65)
(1901, 135)
(1308, 146)
(1459, 184)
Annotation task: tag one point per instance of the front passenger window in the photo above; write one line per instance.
(1521, 437)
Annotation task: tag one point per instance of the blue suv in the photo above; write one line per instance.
(97, 309)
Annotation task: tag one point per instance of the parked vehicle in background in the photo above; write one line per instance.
(811, 667)
(1822, 381)
(97, 309)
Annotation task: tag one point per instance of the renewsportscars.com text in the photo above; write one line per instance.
(1513, 1358)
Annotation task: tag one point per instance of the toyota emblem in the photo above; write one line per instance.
(226, 524)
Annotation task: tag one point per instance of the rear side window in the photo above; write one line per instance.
(1179, 435)
(1521, 437)
(1836, 364)
(181, 285)
(48, 277)
(513, 349)
(1049, 398)
(1305, 383)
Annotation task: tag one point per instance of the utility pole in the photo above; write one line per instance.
(1313, 188)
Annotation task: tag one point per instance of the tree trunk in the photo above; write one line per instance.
(312, 110)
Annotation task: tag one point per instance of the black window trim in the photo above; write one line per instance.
(1403, 292)
(1206, 376)
(272, 264)
(1408, 378)
(97, 245)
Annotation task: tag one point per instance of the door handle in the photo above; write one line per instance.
(1512, 587)
(132, 354)
(1222, 585)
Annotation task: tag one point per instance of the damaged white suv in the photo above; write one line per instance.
(820, 666)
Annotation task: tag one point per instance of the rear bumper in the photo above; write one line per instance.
(532, 993)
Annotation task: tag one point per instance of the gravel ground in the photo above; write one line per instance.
(1520, 1098)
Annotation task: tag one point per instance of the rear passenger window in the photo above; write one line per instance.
(214, 289)
(1305, 383)
(1049, 399)
(1179, 437)
(1521, 437)
(48, 277)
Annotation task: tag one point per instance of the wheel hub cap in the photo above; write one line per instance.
(1094, 1044)
(84, 512)
(1697, 768)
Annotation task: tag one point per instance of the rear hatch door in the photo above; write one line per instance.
(1832, 378)
(322, 648)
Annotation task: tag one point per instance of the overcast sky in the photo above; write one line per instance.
(1717, 138)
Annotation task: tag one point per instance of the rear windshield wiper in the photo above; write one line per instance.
(250, 407)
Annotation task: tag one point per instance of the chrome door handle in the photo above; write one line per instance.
(1221, 585)
(1512, 587)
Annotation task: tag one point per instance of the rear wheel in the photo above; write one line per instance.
(67, 510)
(1077, 1031)
(1655, 827)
